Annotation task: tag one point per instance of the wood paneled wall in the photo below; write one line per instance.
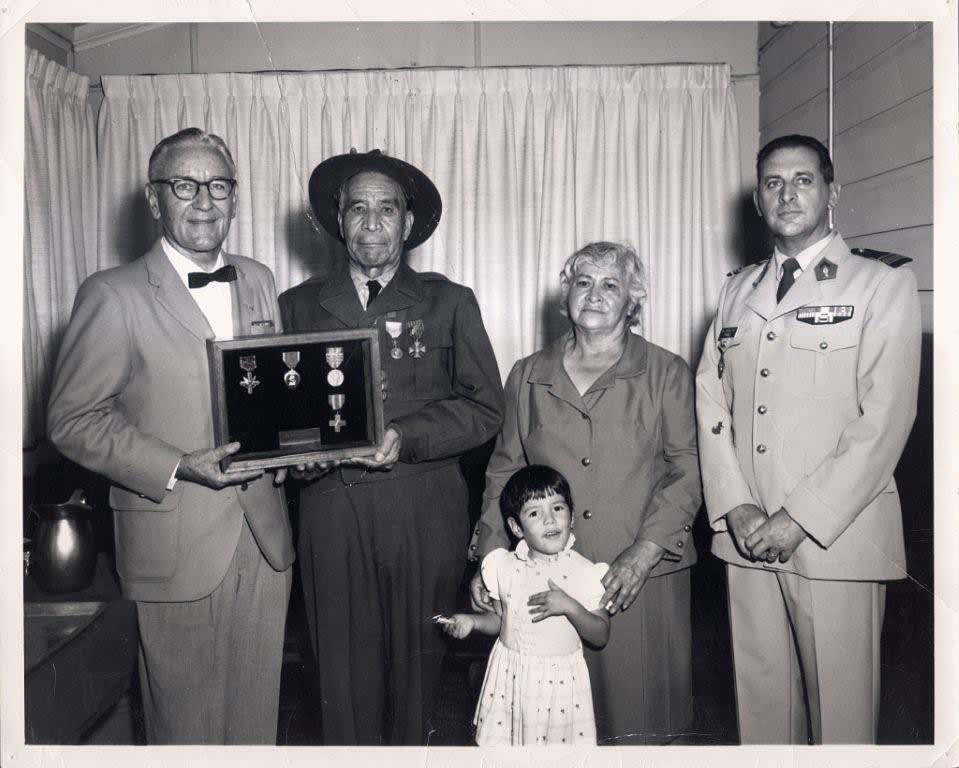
(882, 123)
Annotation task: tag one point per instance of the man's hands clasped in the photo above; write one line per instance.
(758, 537)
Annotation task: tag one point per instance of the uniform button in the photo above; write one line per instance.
(761, 410)
(473, 547)
(760, 448)
(823, 345)
(679, 545)
(587, 514)
(771, 335)
(687, 528)
(586, 461)
(764, 372)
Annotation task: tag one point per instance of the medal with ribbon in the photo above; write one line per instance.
(334, 358)
(291, 378)
(249, 382)
(416, 331)
(394, 328)
(336, 403)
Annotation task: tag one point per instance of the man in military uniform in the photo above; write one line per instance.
(806, 393)
(381, 541)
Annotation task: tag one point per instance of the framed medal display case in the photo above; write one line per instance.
(291, 398)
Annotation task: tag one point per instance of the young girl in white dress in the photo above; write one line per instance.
(547, 601)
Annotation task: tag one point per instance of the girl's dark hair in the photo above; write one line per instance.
(535, 481)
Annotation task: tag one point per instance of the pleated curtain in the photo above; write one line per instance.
(531, 162)
(60, 220)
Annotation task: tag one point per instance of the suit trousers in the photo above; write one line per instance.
(806, 657)
(210, 668)
(378, 560)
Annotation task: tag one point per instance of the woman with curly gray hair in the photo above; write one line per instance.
(614, 413)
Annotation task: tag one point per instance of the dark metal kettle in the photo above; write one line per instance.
(64, 553)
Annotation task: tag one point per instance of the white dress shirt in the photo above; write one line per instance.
(360, 281)
(805, 257)
(215, 299)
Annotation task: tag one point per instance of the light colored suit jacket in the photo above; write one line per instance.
(812, 409)
(131, 394)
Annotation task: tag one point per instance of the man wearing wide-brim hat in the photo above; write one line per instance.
(380, 539)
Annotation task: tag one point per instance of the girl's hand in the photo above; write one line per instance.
(554, 602)
(459, 626)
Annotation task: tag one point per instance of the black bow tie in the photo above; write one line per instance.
(225, 274)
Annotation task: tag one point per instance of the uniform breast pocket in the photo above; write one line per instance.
(433, 368)
(824, 359)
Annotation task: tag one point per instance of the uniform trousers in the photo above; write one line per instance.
(642, 679)
(210, 668)
(378, 560)
(806, 657)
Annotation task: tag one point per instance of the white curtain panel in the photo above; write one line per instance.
(531, 162)
(60, 220)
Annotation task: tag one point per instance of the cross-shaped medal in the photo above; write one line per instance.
(249, 382)
(337, 422)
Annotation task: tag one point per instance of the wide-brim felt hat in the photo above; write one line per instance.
(422, 197)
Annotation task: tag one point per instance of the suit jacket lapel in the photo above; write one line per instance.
(762, 299)
(241, 292)
(337, 295)
(173, 295)
(548, 371)
(402, 292)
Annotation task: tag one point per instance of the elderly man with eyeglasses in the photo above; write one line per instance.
(207, 557)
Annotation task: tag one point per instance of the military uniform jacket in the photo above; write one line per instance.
(444, 402)
(131, 395)
(807, 405)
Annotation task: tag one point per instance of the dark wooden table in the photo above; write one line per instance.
(80, 652)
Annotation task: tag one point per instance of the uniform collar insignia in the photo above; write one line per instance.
(826, 270)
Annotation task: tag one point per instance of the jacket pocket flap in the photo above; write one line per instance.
(824, 338)
(122, 499)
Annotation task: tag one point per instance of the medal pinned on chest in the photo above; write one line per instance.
(416, 331)
(249, 382)
(291, 378)
(724, 335)
(334, 359)
(394, 329)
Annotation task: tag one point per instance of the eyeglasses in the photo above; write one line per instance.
(186, 188)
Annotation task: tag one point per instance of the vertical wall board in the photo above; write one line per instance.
(794, 42)
(889, 140)
(807, 78)
(891, 78)
(893, 200)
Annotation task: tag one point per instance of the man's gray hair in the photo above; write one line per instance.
(604, 253)
(183, 138)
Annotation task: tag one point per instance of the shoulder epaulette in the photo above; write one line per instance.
(746, 266)
(886, 257)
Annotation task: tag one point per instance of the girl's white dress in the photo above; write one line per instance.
(536, 689)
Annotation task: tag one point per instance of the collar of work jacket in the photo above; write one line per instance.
(175, 297)
(548, 369)
(810, 286)
(337, 295)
